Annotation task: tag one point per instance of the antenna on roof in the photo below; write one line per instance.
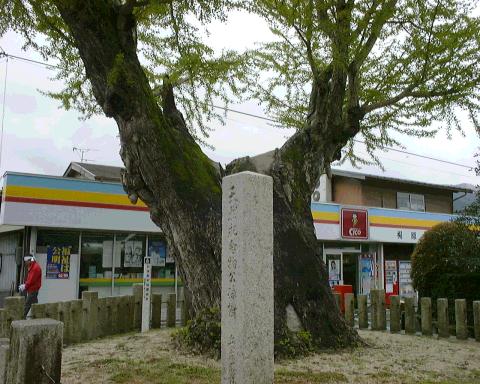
(81, 152)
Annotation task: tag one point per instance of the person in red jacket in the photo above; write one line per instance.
(32, 283)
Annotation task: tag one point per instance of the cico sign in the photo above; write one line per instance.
(354, 223)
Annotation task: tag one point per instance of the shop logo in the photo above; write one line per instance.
(354, 223)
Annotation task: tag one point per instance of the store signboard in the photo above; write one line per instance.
(354, 223)
(58, 262)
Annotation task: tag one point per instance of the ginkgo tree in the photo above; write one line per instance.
(335, 69)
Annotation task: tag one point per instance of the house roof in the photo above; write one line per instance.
(91, 171)
(364, 176)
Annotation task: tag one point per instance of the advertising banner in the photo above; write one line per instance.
(367, 269)
(405, 280)
(157, 250)
(58, 262)
(354, 223)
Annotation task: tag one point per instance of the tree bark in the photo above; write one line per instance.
(167, 170)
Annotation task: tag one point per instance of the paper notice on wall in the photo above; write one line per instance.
(107, 255)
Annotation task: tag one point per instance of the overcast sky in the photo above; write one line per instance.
(39, 136)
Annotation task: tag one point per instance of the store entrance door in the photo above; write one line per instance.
(350, 270)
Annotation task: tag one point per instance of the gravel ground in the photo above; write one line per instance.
(388, 359)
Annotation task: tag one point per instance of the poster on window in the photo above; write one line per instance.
(133, 254)
(58, 262)
(404, 279)
(107, 255)
(391, 278)
(157, 250)
(334, 269)
(366, 273)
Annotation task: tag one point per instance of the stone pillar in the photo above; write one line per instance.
(102, 317)
(350, 309)
(395, 314)
(35, 352)
(14, 308)
(443, 322)
(76, 319)
(362, 312)
(426, 316)
(129, 311)
(171, 310)
(476, 319)
(90, 313)
(64, 317)
(373, 309)
(116, 310)
(4, 350)
(51, 311)
(338, 299)
(183, 313)
(124, 315)
(3, 324)
(379, 318)
(38, 311)
(247, 279)
(138, 300)
(409, 316)
(108, 330)
(156, 310)
(461, 319)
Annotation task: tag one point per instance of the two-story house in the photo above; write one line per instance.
(368, 226)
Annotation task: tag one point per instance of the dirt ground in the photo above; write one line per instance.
(150, 358)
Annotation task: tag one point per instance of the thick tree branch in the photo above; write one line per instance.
(379, 20)
(308, 46)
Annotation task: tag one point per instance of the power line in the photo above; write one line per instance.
(355, 140)
(7, 55)
(270, 119)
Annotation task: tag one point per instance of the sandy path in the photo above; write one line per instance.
(389, 359)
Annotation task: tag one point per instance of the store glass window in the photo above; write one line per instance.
(53, 238)
(96, 261)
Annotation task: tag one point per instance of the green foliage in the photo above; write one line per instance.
(411, 65)
(445, 250)
(293, 345)
(202, 334)
(169, 37)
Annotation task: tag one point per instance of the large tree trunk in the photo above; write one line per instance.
(182, 187)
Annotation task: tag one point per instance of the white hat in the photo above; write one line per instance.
(29, 258)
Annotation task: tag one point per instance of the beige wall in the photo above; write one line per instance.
(381, 193)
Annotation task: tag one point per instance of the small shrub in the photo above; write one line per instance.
(202, 334)
(446, 264)
(293, 345)
(447, 248)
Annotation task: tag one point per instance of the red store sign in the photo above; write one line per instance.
(354, 223)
